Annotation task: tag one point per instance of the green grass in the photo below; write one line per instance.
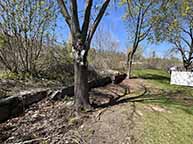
(175, 126)
(161, 79)
(158, 77)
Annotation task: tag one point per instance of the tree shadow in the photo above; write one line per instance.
(154, 77)
(170, 98)
(115, 98)
(163, 97)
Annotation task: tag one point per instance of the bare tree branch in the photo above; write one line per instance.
(185, 31)
(65, 12)
(145, 34)
(188, 44)
(129, 8)
(74, 11)
(86, 21)
(97, 20)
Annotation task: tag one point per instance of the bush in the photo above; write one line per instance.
(103, 60)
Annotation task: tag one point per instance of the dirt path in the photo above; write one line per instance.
(114, 121)
(117, 124)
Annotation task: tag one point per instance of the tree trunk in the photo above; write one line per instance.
(129, 68)
(81, 87)
(186, 65)
(186, 68)
(129, 64)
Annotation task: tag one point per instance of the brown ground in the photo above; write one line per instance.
(115, 125)
(116, 119)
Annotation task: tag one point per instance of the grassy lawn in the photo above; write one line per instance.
(173, 127)
(161, 79)
(175, 124)
(158, 77)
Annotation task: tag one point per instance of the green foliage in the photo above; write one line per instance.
(174, 25)
(172, 17)
(15, 76)
(2, 41)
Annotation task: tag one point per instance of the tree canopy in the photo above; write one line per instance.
(175, 25)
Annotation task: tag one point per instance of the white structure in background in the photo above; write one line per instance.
(173, 68)
(182, 78)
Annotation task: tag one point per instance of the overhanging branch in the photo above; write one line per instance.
(65, 12)
(74, 12)
(97, 20)
(86, 19)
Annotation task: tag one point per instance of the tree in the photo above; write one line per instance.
(24, 28)
(138, 56)
(106, 49)
(138, 15)
(81, 40)
(176, 26)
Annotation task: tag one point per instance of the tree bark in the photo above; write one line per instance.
(129, 68)
(81, 87)
(187, 65)
(129, 64)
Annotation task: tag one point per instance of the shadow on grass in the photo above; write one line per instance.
(171, 99)
(164, 98)
(154, 77)
(116, 98)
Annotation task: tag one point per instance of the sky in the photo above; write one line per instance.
(114, 24)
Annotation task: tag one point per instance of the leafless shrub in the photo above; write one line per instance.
(24, 29)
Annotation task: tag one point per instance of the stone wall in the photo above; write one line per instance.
(14, 105)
